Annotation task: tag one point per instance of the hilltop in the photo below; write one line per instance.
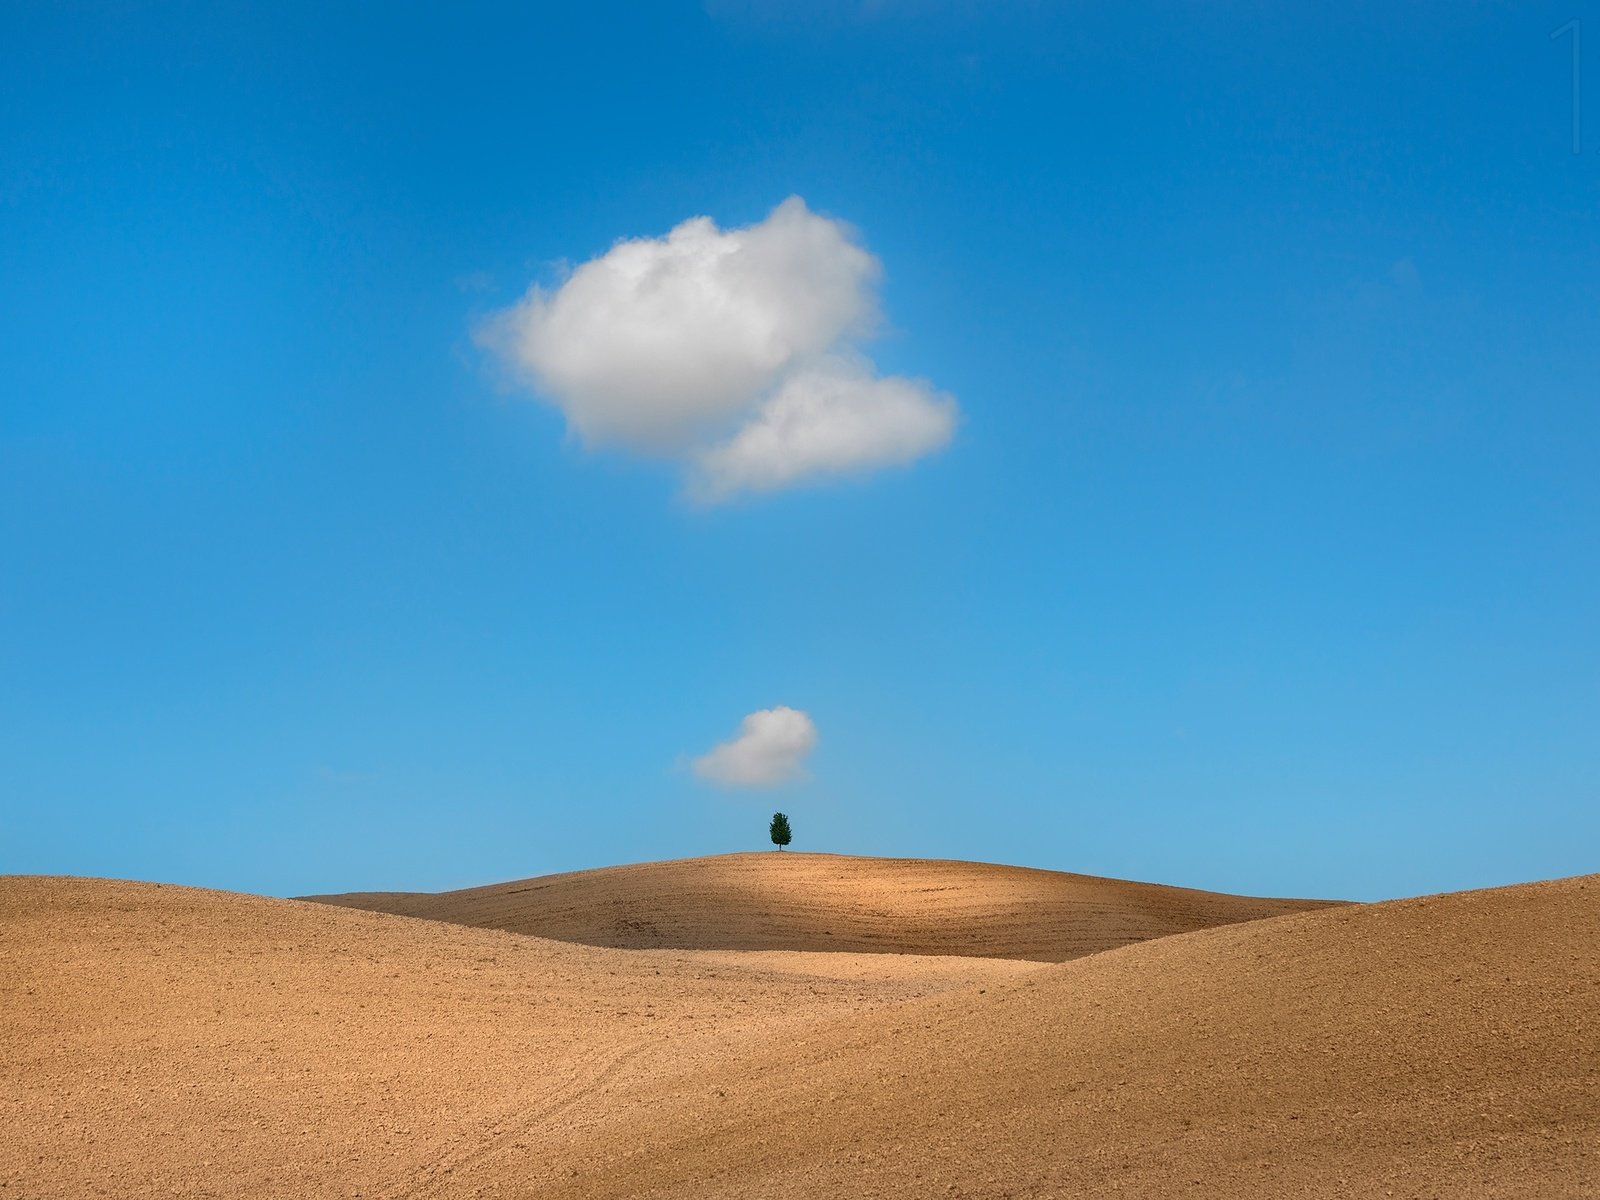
(797, 901)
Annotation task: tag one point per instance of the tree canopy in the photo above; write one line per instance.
(779, 830)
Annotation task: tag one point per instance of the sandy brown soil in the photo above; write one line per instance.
(164, 1041)
(1444, 1047)
(171, 1041)
(791, 901)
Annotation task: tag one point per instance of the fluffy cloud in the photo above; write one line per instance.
(734, 350)
(771, 748)
(831, 417)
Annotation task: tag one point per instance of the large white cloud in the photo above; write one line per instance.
(732, 349)
(771, 748)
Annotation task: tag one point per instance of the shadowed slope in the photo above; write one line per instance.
(791, 901)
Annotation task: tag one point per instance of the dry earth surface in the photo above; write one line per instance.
(165, 1041)
(792, 901)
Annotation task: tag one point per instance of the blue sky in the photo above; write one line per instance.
(1262, 555)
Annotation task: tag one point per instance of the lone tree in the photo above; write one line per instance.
(779, 829)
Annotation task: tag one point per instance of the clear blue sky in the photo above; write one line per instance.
(1265, 555)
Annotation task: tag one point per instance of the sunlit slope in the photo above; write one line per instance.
(1446, 1047)
(162, 1041)
(791, 901)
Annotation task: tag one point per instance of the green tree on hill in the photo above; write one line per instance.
(779, 830)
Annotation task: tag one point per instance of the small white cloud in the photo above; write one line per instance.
(833, 417)
(731, 349)
(770, 749)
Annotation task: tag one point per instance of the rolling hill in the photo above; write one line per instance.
(794, 901)
(165, 1041)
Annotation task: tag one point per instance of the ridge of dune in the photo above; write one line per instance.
(806, 901)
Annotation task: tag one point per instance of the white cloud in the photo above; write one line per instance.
(771, 747)
(832, 417)
(733, 350)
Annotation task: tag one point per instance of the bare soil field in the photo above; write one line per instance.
(165, 1041)
(795, 901)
